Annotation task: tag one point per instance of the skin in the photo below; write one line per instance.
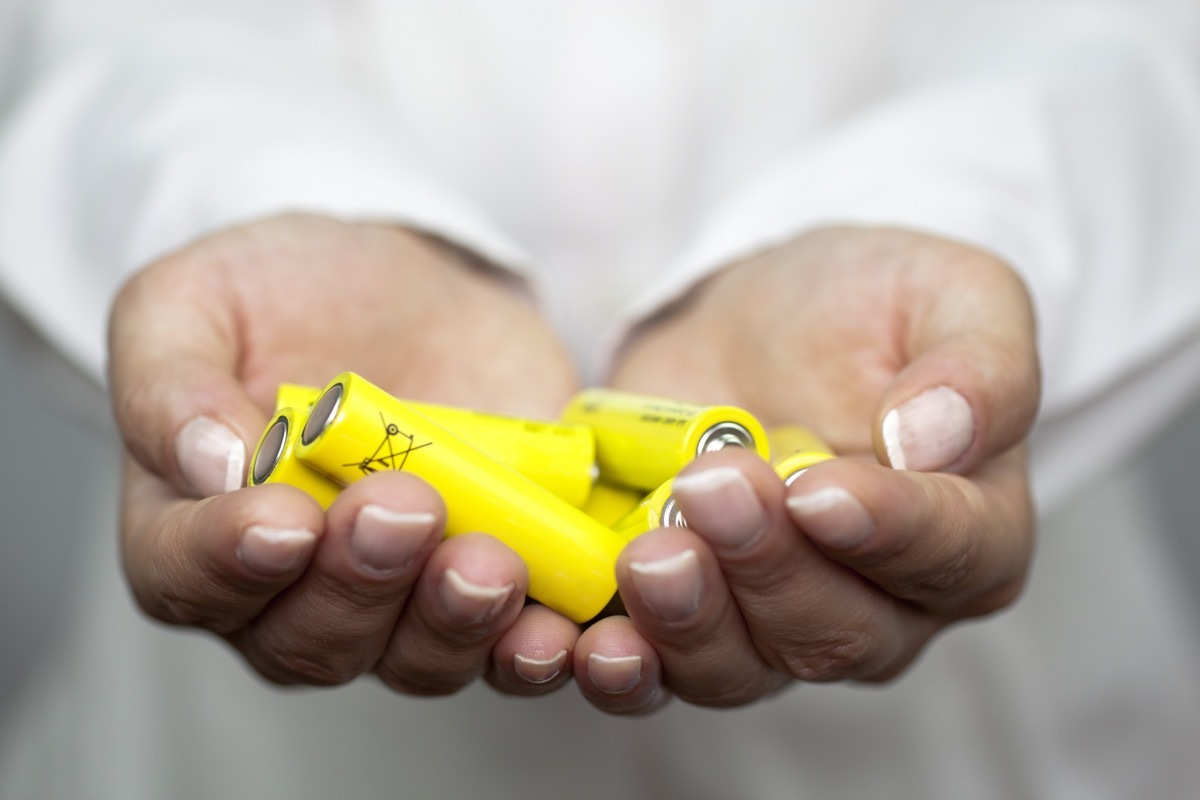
(757, 592)
(847, 325)
(210, 332)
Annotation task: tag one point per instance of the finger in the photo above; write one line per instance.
(216, 563)
(534, 657)
(617, 670)
(673, 590)
(971, 387)
(958, 547)
(809, 617)
(173, 349)
(470, 593)
(333, 624)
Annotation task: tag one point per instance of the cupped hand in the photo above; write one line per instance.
(200, 340)
(915, 357)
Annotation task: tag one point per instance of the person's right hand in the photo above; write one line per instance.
(199, 342)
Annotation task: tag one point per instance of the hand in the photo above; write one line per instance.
(903, 351)
(200, 340)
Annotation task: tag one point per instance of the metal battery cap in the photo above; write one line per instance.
(322, 414)
(270, 451)
(671, 516)
(722, 435)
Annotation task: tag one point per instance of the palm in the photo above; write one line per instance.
(311, 297)
(817, 330)
(826, 331)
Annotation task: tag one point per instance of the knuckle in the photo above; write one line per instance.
(315, 672)
(312, 650)
(742, 693)
(179, 610)
(997, 599)
(167, 600)
(836, 656)
(418, 682)
(355, 599)
(137, 411)
(308, 668)
(948, 576)
(132, 399)
(728, 698)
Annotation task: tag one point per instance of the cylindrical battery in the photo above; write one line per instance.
(656, 510)
(609, 503)
(297, 396)
(275, 462)
(644, 441)
(556, 455)
(795, 449)
(356, 428)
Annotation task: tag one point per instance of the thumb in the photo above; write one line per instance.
(173, 355)
(972, 386)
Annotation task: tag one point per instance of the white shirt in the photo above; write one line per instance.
(614, 153)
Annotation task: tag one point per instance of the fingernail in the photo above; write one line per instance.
(670, 586)
(614, 674)
(930, 431)
(210, 456)
(539, 670)
(470, 602)
(725, 500)
(272, 551)
(832, 517)
(385, 540)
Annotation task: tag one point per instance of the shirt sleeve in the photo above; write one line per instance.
(134, 126)
(1065, 141)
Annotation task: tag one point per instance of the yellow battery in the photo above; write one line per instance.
(356, 428)
(608, 502)
(274, 461)
(556, 455)
(297, 396)
(657, 510)
(796, 449)
(644, 441)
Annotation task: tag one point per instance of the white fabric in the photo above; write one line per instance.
(616, 152)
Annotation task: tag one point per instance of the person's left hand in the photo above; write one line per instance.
(915, 358)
